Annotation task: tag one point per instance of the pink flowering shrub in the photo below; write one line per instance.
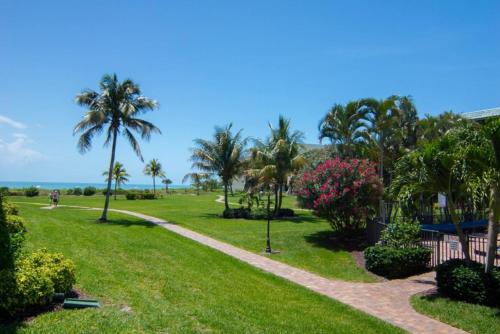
(343, 191)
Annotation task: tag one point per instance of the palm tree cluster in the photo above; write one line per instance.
(267, 165)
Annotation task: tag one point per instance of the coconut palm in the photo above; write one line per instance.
(120, 175)
(196, 180)
(345, 126)
(221, 156)
(279, 155)
(154, 169)
(115, 110)
(166, 182)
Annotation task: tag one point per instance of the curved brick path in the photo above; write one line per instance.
(388, 301)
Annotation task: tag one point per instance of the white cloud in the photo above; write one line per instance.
(12, 123)
(18, 151)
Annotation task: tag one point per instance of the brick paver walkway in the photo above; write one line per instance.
(388, 301)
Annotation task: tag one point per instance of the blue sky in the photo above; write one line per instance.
(214, 62)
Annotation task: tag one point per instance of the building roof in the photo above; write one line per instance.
(482, 114)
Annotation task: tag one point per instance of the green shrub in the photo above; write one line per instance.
(147, 195)
(89, 191)
(131, 196)
(31, 192)
(392, 262)
(285, 212)
(60, 270)
(10, 209)
(25, 287)
(4, 191)
(468, 282)
(77, 191)
(401, 234)
(15, 224)
(236, 213)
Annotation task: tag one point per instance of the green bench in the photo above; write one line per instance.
(72, 303)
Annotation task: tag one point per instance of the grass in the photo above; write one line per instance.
(304, 242)
(172, 284)
(475, 319)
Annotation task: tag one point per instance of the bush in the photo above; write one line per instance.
(31, 192)
(77, 191)
(131, 196)
(69, 192)
(285, 212)
(147, 195)
(10, 209)
(60, 270)
(4, 191)
(89, 191)
(392, 262)
(344, 192)
(468, 282)
(401, 234)
(236, 213)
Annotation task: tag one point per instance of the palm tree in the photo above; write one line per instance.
(345, 126)
(114, 110)
(382, 115)
(221, 156)
(120, 175)
(154, 169)
(196, 180)
(280, 155)
(166, 182)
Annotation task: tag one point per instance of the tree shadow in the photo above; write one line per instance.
(334, 241)
(124, 223)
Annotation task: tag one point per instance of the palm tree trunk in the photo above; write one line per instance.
(280, 196)
(104, 216)
(381, 175)
(115, 188)
(493, 227)
(275, 199)
(154, 186)
(226, 204)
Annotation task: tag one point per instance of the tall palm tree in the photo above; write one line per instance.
(221, 156)
(345, 126)
(115, 110)
(120, 175)
(280, 156)
(154, 169)
(196, 180)
(166, 182)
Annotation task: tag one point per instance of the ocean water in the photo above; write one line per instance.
(68, 185)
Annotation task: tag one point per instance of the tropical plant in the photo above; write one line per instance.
(154, 169)
(279, 156)
(197, 180)
(115, 110)
(221, 156)
(342, 191)
(345, 126)
(167, 182)
(120, 176)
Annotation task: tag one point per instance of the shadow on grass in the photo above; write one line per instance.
(433, 296)
(296, 219)
(124, 223)
(333, 241)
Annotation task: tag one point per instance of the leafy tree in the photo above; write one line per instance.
(221, 156)
(167, 182)
(345, 126)
(115, 110)
(154, 169)
(119, 175)
(433, 127)
(279, 156)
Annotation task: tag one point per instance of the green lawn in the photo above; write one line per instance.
(304, 242)
(172, 284)
(475, 319)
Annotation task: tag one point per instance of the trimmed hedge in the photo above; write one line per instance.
(237, 213)
(468, 282)
(392, 262)
(246, 213)
(140, 195)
